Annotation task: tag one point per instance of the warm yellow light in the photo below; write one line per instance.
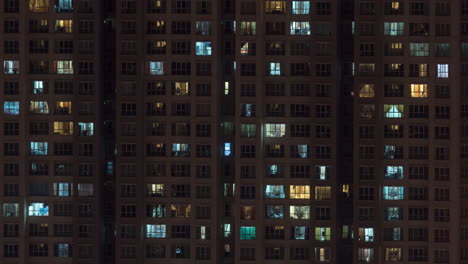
(367, 90)
(419, 90)
(397, 45)
(299, 192)
(182, 88)
(226, 88)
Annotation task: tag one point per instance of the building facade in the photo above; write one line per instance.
(233, 131)
(407, 123)
(51, 131)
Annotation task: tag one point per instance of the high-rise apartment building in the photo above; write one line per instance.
(233, 131)
(408, 131)
(51, 129)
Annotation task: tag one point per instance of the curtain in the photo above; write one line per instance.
(38, 5)
(274, 191)
(302, 151)
(367, 90)
(393, 111)
(300, 232)
(367, 111)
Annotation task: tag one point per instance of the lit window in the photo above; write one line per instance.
(227, 89)
(227, 149)
(322, 233)
(392, 152)
(419, 90)
(63, 67)
(63, 189)
(442, 70)
(38, 6)
(227, 230)
(181, 88)
(248, 28)
(299, 28)
(180, 150)
(275, 69)
(109, 169)
(11, 108)
(181, 251)
(229, 189)
(39, 87)
(248, 130)
(248, 110)
(393, 255)
(299, 212)
(418, 70)
(299, 192)
(203, 48)
(396, 48)
(39, 107)
(63, 107)
(63, 5)
(156, 67)
(299, 232)
(366, 69)
(247, 212)
(346, 231)
(38, 209)
(156, 210)
(322, 255)
(64, 26)
(394, 172)
(247, 48)
(157, 26)
(366, 254)
(10, 209)
(11, 67)
(300, 151)
(155, 190)
(393, 193)
(419, 49)
(393, 111)
(39, 148)
(63, 250)
(394, 234)
(155, 231)
(247, 233)
(86, 129)
(275, 192)
(322, 172)
(393, 129)
(300, 7)
(322, 193)
(394, 28)
(275, 130)
(63, 128)
(203, 232)
(346, 189)
(203, 27)
(367, 90)
(366, 234)
(275, 7)
(274, 211)
(393, 213)
(274, 171)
